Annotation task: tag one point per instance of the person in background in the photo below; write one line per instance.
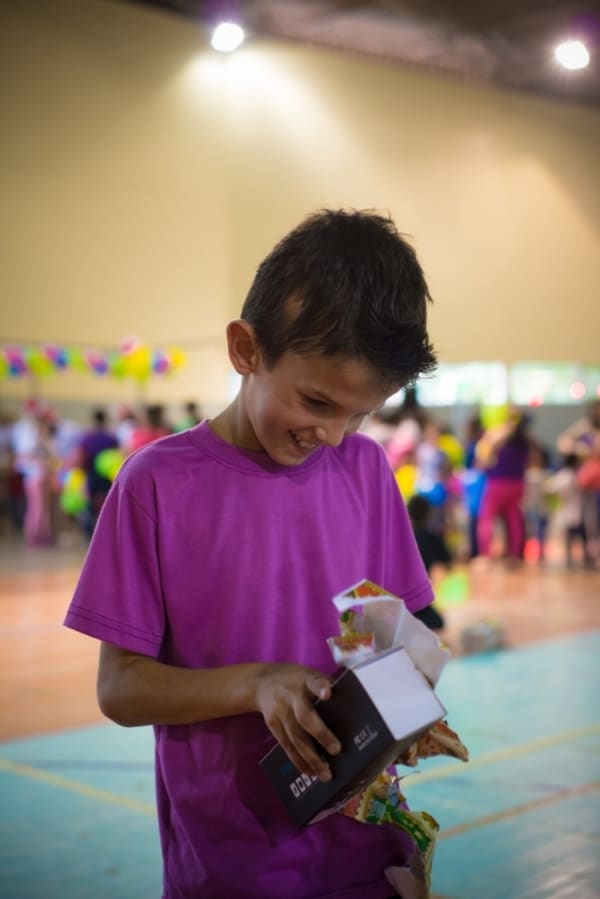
(6, 468)
(503, 452)
(24, 439)
(582, 439)
(191, 417)
(474, 431)
(125, 425)
(410, 420)
(432, 470)
(154, 427)
(569, 516)
(588, 479)
(473, 478)
(433, 549)
(93, 442)
(535, 498)
(210, 577)
(380, 426)
(38, 479)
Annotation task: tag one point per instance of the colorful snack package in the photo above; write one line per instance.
(351, 621)
(373, 609)
(348, 649)
(439, 740)
(383, 802)
(385, 785)
(352, 645)
(381, 620)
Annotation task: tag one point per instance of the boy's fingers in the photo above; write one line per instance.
(318, 685)
(314, 725)
(303, 754)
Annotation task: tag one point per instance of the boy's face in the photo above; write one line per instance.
(303, 402)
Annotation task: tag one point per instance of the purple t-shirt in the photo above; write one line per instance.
(511, 461)
(208, 555)
(93, 443)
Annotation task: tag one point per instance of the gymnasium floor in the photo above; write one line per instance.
(520, 821)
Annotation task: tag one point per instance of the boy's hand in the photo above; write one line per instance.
(285, 695)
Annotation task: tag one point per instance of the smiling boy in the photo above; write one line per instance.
(210, 575)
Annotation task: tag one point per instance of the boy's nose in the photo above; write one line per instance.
(332, 434)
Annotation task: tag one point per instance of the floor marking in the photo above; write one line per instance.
(488, 758)
(74, 786)
(559, 796)
(500, 755)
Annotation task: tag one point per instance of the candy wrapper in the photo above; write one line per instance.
(353, 644)
(368, 609)
(349, 649)
(371, 621)
(439, 740)
(383, 802)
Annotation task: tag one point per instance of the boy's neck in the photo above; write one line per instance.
(232, 427)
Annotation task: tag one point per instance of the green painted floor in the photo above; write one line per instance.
(520, 821)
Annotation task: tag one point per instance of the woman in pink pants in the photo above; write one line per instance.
(504, 453)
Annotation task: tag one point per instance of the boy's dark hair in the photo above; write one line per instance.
(344, 283)
(419, 510)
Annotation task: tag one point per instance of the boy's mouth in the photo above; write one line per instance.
(305, 445)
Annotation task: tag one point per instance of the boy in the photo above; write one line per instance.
(210, 576)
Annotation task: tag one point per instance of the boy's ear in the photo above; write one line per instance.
(242, 346)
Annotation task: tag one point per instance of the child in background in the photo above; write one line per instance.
(210, 576)
(38, 472)
(569, 517)
(473, 478)
(433, 549)
(152, 428)
(191, 417)
(535, 499)
(99, 438)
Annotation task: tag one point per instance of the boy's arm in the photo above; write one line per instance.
(135, 689)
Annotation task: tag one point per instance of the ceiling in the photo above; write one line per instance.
(505, 42)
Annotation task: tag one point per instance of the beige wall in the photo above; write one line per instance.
(144, 177)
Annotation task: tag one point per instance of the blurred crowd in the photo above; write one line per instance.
(493, 491)
(496, 490)
(55, 472)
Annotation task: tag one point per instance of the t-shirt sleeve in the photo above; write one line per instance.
(118, 597)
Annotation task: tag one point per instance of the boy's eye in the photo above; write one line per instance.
(315, 403)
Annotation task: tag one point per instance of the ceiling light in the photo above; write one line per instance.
(572, 55)
(227, 37)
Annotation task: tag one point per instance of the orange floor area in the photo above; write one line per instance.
(47, 672)
(531, 783)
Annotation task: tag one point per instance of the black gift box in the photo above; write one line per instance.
(377, 709)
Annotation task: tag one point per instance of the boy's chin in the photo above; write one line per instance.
(290, 455)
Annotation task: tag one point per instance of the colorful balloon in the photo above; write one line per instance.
(436, 494)
(453, 448)
(492, 416)
(406, 478)
(108, 462)
(73, 499)
(132, 359)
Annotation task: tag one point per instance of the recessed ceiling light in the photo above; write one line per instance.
(227, 37)
(572, 55)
